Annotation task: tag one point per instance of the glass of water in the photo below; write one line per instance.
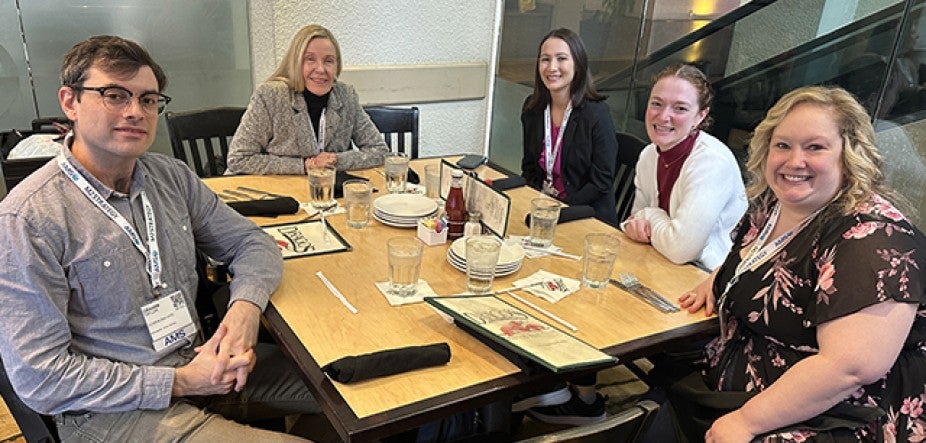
(321, 188)
(598, 261)
(357, 197)
(396, 166)
(404, 265)
(544, 215)
(481, 258)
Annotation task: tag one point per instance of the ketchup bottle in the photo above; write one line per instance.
(455, 206)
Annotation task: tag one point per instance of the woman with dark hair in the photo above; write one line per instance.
(303, 116)
(570, 151)
(689, 193)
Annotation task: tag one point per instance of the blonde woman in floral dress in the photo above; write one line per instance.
(821, 299)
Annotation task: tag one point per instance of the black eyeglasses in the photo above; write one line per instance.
(116, 98)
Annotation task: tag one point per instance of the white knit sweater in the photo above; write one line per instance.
(707, 201)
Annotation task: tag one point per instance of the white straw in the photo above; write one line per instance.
(551, 252)
(544, 312)
(336, 292)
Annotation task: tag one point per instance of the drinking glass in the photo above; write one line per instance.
(357, 197)
(481, 259)
(544, 215)
(598, 261)
(432, 181)
(321, 187)
(404, 265)
(396, 166)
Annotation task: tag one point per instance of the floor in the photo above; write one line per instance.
(618, 383)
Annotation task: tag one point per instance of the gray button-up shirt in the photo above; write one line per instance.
(72, 284)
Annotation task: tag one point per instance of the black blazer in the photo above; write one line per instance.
(589, 157)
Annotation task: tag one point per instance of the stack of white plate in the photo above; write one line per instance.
(402, 210)
(509, 257)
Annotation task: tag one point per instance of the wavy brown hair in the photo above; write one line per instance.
(861, 160)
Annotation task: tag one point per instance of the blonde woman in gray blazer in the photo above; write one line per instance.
(303, 117)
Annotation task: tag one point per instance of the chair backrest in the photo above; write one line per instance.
(397, 123)
(35, 427)
(625, 426)
(17, 169)
(192, 134)
(628, 151)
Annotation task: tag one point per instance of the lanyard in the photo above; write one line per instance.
(320, 136)
(550, 149)
(152, 252)
(759, 253)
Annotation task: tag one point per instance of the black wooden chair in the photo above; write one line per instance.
(625, 426)
(628, 151)
(192, 134)
(397, 123)
(35, 427)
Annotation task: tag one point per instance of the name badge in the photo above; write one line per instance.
(548, 189)
(169, 321)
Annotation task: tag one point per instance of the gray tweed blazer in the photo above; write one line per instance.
(275, 135)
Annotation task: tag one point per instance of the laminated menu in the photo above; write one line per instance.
(491, 318)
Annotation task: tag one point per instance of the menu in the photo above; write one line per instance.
(491, 203)
(520, 332)
(306, 238)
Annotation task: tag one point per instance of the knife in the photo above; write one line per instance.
(661, 305)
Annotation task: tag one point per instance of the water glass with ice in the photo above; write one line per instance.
(544, 215)
(598, 261)
(321, 187)
(481, 258)
(396, 166)
(404, 265)
(357, 198)
(432, 181)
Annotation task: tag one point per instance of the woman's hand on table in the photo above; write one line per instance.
(701, 295)
(638, 229)
(322, 160)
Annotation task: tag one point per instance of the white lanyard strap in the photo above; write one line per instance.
(550, 149)
(320, 134)
(760, 253)
(152, 252)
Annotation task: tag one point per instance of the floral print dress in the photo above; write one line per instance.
(832, 268)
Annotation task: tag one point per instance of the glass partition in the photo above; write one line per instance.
(760, 50)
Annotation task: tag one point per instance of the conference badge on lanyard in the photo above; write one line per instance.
(552, 150)
(169, 321)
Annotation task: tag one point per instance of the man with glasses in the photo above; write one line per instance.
(98, 279)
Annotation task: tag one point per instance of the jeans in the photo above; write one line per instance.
(274, 389)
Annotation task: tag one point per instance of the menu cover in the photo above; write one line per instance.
(494, 205)
(302, 239)
(520, 332)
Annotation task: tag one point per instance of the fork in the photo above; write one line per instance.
(630, 281)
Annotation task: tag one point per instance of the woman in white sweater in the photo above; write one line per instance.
(690, 192)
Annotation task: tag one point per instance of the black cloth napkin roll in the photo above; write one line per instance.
(270, 207)
(339, 178)
(356, 368)
(569, 213)
(507, 183)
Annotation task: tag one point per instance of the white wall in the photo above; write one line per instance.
(375, 33)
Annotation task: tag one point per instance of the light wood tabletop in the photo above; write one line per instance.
(315, 328)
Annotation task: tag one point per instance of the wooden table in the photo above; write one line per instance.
(314, 328)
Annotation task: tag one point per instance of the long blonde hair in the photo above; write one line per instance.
(290, 68)
(861, 160)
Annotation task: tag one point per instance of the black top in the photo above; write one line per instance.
(315, 104)
(589, 157)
